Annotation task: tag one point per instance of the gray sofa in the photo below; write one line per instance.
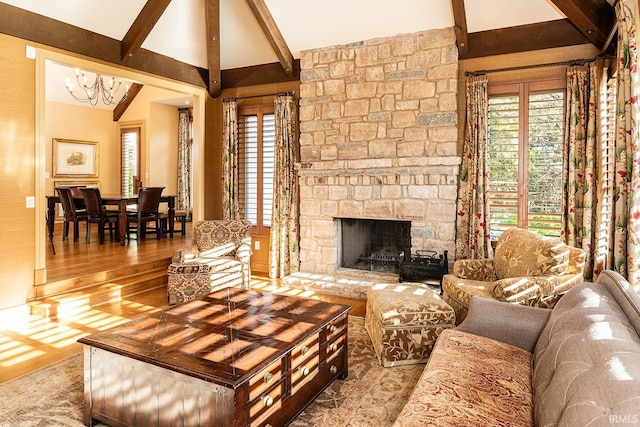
(577, 364)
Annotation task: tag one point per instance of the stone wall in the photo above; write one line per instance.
(378, 140)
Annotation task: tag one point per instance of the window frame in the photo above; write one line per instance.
(523, 89)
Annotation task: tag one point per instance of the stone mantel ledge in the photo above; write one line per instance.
(448, 165)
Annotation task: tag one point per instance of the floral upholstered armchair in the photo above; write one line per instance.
(219, 257)
(527, 268)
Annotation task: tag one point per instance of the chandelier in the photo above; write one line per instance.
(104, 88)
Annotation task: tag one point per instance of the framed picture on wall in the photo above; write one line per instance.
(74, 158)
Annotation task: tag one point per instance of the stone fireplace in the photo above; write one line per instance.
(378, 141)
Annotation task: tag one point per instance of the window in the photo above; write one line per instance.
(256, 134)
(525, 150)
(130, 160)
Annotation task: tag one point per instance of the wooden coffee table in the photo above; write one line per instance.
(235, 357)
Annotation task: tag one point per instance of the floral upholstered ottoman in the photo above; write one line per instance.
(404, 321)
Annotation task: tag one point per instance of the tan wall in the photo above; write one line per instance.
(17, 174)
(65, 121)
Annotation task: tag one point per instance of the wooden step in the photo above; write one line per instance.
(104, 288)
(76, 283)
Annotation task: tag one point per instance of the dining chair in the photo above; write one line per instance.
(71, 214)
(147, 211)
(97, 214)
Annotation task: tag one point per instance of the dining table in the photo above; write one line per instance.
(119, 200)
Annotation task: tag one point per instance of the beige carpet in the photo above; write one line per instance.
(370, 396)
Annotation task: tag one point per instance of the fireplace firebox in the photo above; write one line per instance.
(372, 245)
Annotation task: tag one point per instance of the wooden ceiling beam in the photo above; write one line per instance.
(36, 28)
(141, 27)
(460, 26)
(273, 34)
(212, 16)
(523, 38)
(594, 18)
(124, 104)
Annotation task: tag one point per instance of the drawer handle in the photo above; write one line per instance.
(333, 369)
(333, 328)
(304, 370)
(305, 350)
(268, 377)
(333, 347)
(268, 401)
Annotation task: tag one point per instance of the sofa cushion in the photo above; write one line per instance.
(586, 366)
(471, 381)
(522, 253)
(624, 294)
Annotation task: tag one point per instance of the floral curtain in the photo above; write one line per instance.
(230, 206)
(185, 172)
(284, 254)
(625, 247)
(579, 178)
(473, 238)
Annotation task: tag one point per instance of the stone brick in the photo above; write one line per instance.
(351, 208)
(334, 87)
(411, 149)
(408, 209)
(327, 56)
(328, 208)
(362, 193)
(380, 116)
(363, 131)
(443, 72)
(329, 152)
(442, 210)
(389, 88)
(438, 119)
(382, 148)
(309, 154)
(447, 192)
(429, 105)
(391, 192)
(424, 59)
(412, 105)
(331, 110)
(306, 60)
(361, 90)
(366, 56)
(378, 209)
(418, 89)
(322, 229)
(341, 69)
(315, 125)
(353, 151)
(307, 90)
(415, 134)
(316, 74)
(374, 74)
(356, 107)
(403, 119)
(406, 75)
(424, 192)
(403, 45)
(448, 102)
(319, 138)
(306, 139)
(443, 134)
(307, 112)
(447, 149)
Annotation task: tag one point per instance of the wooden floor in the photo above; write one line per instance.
(29, 342)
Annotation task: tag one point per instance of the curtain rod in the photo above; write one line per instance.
(290, 93)
(524, 67)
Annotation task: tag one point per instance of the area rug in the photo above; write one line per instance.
(370, 396)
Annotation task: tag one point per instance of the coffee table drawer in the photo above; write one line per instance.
(266, 404)
(266, 379)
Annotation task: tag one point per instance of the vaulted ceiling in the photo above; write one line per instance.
(227, 43)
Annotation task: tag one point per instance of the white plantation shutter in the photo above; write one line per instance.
(256, 134)
(504, 131)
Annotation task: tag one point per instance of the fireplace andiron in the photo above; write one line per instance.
(422, 265)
